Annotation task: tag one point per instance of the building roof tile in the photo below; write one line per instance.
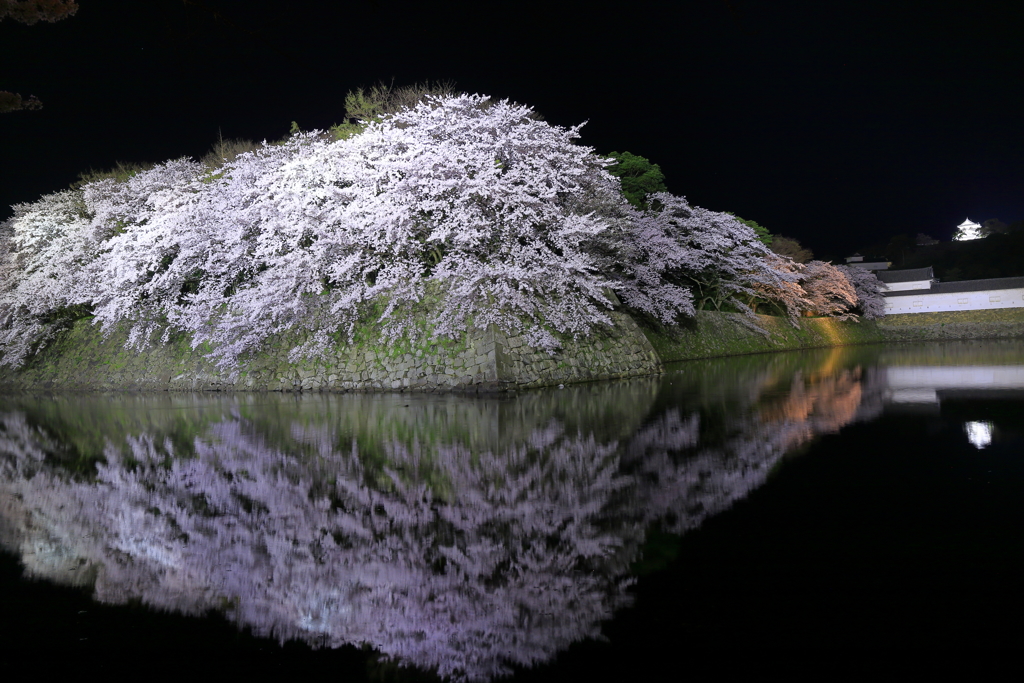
(908, 275)
(964, 286)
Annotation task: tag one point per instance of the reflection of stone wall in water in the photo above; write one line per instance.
(612, 410)
(84, 424)
(461, 549)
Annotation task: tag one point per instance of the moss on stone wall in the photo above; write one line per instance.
(84, 359)
(996, 323)
(609, 353)
(482, 360)
(724, 334)
(992, 315)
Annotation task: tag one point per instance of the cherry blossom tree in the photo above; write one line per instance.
(829, 292)
(468, 202)
(470, 210)
(638, 254)
(714, 255)
(471, 203)
(785, 295)
(821, 289)
(140, 272)
(869, 289)
(43, 249)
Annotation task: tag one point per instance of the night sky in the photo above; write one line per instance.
(840, 123)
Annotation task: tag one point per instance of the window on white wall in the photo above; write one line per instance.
(963, 301)
(994, 298)
(918, 304)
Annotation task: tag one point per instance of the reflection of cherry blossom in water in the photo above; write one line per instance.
(522, 563)
(459, 560)
(684, 479)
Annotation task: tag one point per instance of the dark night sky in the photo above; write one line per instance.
(838, 122)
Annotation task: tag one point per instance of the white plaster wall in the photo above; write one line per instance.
(904, 286)
(955, 301)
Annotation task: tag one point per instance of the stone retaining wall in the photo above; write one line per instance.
(997, 323)
(622, 351)
(483, 361)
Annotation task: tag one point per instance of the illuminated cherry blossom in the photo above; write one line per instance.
(869, 289)
(828, 291)
(470, 209)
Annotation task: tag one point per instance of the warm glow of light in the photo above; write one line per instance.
(979, 433)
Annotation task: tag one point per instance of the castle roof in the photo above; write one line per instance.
(964, 286)
(907, 275)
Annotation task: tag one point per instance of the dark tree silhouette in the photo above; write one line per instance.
(31, 12)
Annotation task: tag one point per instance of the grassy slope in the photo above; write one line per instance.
(716, 334)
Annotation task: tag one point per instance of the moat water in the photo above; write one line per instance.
(848, 505)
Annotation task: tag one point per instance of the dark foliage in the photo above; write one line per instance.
(998, 255)
(639, 177)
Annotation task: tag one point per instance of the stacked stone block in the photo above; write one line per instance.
(483, 361)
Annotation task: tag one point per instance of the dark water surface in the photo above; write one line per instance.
(845, 506)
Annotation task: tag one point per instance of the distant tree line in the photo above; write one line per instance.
(1000, 253)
